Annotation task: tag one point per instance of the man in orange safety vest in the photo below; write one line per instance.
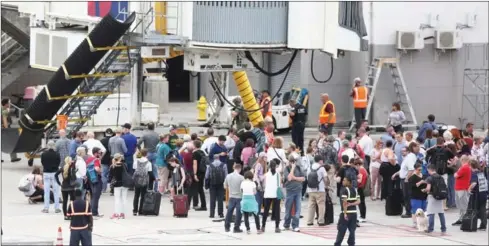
(359, 93)
(266, 105)
(327, 115)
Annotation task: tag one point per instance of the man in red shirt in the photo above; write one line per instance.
(462, 184)
(362, 182)
(95, 186)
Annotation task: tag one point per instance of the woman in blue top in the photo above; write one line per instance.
(162, 150)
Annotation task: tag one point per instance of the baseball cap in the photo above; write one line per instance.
(127, 126)
(357, 79)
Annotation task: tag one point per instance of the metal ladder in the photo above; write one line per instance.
(94, 90)
(400, 89)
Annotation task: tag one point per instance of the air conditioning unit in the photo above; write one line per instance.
(448, 40)
(409, 40)
(155, 51)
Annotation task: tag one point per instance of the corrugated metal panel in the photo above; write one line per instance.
(245, 23)
(293, 79)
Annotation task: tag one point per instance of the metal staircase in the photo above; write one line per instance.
(12, 51)
(94, 90)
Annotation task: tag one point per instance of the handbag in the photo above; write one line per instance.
(280, 195)
(127, 180)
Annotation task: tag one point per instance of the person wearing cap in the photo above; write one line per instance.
(173, 137)
(96, 187)
(106, 159)
(327, 114)
(131, 144)
(359, 93)
(50, 164)
(266, 104)
(150, 140)
(298, 114)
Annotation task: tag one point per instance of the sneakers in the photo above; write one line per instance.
(114, 216)
(237, 231)
(31, 201)
(283, 228)
(45, 210)
(296, 229)
(362, 220)
(57, 211)
(122, 216)
(200, 209)
(248, 232)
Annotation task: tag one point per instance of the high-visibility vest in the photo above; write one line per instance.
(324, 116)
(360, 97)
(262, 105)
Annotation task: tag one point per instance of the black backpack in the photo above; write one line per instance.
(313, 179)
(216, 174)
(204, 163)
(439, 160)
(72, 174)
(439, 189)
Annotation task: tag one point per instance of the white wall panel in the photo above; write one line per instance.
(36, 8)
(69, 8)
(185, 17)
(306, 25)
(392, 16)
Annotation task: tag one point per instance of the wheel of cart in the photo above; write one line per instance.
(33, 155)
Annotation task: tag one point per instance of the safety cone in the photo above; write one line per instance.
(59, 239)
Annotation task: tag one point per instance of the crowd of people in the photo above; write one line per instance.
(253, 172)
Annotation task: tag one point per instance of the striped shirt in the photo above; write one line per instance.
(351, 195)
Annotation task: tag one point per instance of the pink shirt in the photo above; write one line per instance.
(246, 154)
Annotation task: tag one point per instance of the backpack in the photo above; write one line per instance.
(91, 172)
(216, 174)
(204, 163)
(439, 189)
(351, 173)
(26, 184)
(72, 174)
(313, 179)
(439, 161)
(252, 159)
(141, 176)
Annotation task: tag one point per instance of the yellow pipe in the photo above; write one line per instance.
(248, 97)
(160, 17)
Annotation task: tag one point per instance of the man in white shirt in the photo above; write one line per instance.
(209, 141)
(317, 196)
(407, 169)
(367, 144)
(339, 139)
(92, 143)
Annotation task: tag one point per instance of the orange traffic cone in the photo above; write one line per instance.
(59, 239)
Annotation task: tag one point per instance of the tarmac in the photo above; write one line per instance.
(24, 224)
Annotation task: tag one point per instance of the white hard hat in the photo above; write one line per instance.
(357, 79)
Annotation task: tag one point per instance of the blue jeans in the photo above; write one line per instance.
(234, 203)
(431, 222)
(96, 193)
(129, 160)
(259, 200)
(152, 158)
(292, 198)
(451, 190)
(105, 176)
(49, 182)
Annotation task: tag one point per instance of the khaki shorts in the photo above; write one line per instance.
(163, 175)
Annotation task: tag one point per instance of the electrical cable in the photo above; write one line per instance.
(312, 70)
(270, 74)
(223, 98)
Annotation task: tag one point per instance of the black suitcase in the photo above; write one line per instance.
(469, 220)
(151, 203)
(393, 203)
(329, 213)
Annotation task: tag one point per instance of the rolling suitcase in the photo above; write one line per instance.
(393, 203)
(469, 220)
(329, 213)
(180, 205)
(151, 203)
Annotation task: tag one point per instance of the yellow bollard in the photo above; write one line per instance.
(202, 108)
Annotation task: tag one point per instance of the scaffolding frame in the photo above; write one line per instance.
(478, 98)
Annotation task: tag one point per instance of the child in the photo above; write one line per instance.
(177, 177)
(348, 217)
(248, 202)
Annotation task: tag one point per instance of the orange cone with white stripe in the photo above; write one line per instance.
(59, 239)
